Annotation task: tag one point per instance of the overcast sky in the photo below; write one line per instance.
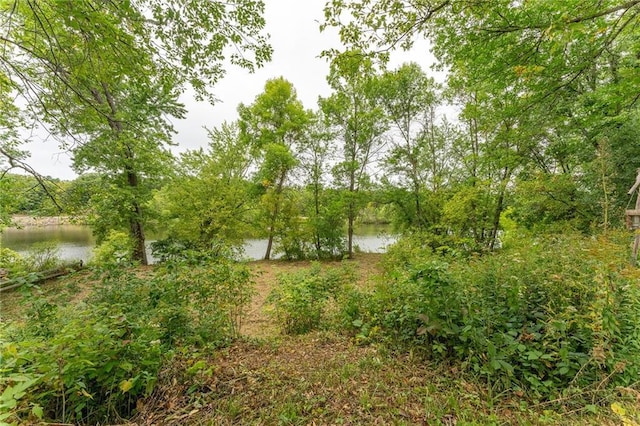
(297, 43)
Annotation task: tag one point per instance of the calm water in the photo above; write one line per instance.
(75, 242)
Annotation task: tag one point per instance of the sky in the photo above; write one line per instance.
(297, 42)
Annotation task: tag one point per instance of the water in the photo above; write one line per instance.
(75, 242)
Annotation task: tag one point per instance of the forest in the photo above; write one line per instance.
(511, 296)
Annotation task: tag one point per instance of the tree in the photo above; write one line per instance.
(355, 115)
(569, 68)
(324, 217)
(107, 74)
(209, 197)
(416, 160)
(274, 126)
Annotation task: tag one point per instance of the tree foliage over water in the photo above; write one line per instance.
(535, 123)
(105, 76)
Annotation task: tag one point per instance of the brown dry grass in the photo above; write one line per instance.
(326, 379)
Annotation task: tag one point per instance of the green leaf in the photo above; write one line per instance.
(126, 385)
(37, 411)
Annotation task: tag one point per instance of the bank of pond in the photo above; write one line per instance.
(76, 242)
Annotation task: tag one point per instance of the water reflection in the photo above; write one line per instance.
(75, 242)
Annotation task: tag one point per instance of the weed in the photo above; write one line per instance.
(562, 314)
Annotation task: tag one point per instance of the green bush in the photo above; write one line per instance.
(90, 363)
(549, 314)
(213, 294)
(301, 300)
(427, 244)
(12, 262)
(43, 256)
(115, 249)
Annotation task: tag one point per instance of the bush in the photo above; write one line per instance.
(12, 262)
(426, 244)
(92, 368)
(212, 293)
(548, 315)
(43, 256)
(301, 299)
(115, 249)
(179, 250)
(91, 363)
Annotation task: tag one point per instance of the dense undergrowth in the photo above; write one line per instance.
(548, 317)
(90, 363)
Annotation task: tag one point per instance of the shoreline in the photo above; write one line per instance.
(21, 221)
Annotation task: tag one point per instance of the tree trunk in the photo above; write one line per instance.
(351, 217)
(498, 211)
(274, 215)
(272, 230)
(350, 236)
(136, 231)
(316, 196)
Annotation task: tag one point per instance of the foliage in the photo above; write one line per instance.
(551, 316)
(552, 201)
(88, 364)
(91, 363)
(211, 288)
(175, 250)
(42, 256)
(116, 249)
(327, 226)
(300, 302)
(22, 194)
(209, 196)
(353, 113)
(426, 244)
(105, 78)
(274, 128)
(12, 262)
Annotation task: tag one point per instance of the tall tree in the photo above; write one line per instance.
(354, 112)
(568, 67)
(274, 125)
(209, 198)
(324, 218)
(416, 158)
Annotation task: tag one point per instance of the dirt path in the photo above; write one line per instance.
(257, 322)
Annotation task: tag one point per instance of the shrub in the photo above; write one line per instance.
(546, 315)
(91, 363)
(115, 249)
(179, 250)
(12, 262)
(301, 299)
(43, 256)
(214, 295)
(94, 367)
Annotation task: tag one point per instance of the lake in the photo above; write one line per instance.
(75, 242)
